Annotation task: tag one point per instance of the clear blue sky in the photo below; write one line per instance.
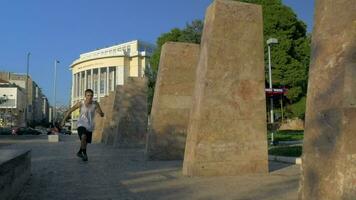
(63, 29)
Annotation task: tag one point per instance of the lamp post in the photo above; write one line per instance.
(54, 91)
(270, 42)
(26, 90)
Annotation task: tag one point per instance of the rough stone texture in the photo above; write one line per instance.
(106, 105)
(108, 109)
(227, 128)
(128, 127)
(172, 101)
(15, 171)
(329, 152)
(125, 121)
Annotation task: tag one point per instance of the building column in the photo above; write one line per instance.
(82, 75)
(113, 80)
(99, 79)
(117, 75)
(73, 86)
(77, 86)
(85, 80)
(80, 84)
(107, 81)
(91, 79)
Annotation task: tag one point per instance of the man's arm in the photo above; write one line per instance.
(98, 110)
(76, 106)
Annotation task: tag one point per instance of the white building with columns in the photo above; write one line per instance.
(101, 70)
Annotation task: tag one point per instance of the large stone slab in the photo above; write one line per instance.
(53, 138)
(227, 127)
(125, 122)
(15, 171)
(128, 126)
(172, 101)
(106, 106)
(329, 151)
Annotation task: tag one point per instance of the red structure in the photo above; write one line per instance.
(276, 91)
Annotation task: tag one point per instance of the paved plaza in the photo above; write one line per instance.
(125, 174)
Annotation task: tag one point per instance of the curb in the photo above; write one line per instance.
(293, 160)
(290, 142)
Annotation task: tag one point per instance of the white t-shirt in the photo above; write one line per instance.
(87, 114)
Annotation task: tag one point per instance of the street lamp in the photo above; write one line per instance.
(270, 42)
(26, 90)
(54, 91)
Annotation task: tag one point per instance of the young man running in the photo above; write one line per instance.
(85, 122)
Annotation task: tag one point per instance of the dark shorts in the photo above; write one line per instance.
(81, 131)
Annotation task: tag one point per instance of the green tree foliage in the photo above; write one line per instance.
(191, 33)
(290, 57)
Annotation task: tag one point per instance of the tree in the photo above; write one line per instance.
(290, 57)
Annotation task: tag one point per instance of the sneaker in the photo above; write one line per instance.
(85, 157)
(80, 154)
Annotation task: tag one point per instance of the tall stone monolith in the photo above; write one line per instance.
(128, 128)
(227, 127)
(172, 101)
(106, 107)
(125, 122)
(329, 150)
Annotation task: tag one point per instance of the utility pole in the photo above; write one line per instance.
(54, 91)
(26, 89)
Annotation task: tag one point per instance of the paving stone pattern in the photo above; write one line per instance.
(111, 173)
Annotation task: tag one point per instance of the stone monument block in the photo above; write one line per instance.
(53, 138)
(108, 106)
(128, 127)
(329, 150)
(227, 125)
(172, 101)
(125, 120)
(100, 121)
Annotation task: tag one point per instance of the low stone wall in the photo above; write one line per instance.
(15, 171)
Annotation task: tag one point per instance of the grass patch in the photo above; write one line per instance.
(291, 151)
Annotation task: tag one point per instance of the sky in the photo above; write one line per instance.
(63, 29)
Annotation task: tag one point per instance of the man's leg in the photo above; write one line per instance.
(83, 147)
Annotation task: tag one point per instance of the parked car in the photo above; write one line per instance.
(25, 131)
(5, 131)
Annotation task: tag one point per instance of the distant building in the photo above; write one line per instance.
(101, 70)
(12, 105)
(37, 103)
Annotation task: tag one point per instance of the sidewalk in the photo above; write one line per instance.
(57, 174)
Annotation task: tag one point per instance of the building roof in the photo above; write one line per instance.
(119, 50)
